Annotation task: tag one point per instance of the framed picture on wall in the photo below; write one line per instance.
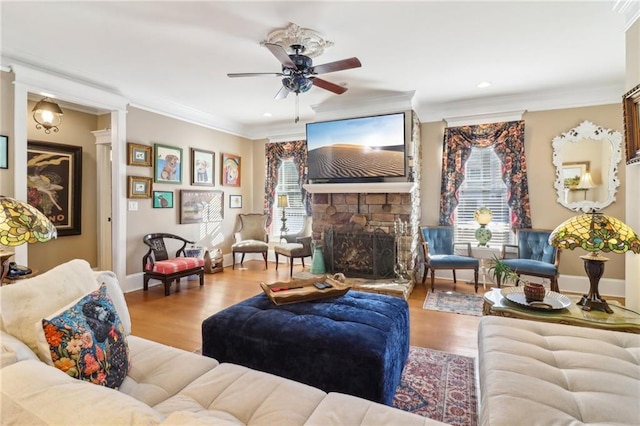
(54, 184)
(631, 111)
(231, 170)
(235, 201)
(138, 187)
(162, 199)
(201, 206)
(167, 164)
(202, 163)
(138, 155)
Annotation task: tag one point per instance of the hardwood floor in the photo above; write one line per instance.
(176, 319)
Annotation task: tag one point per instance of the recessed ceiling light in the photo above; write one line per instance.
(267, 114)
(484, 84)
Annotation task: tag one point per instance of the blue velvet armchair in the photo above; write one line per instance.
(533, 255)
(438, 250)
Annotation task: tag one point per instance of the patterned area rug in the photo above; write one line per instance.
(438, 385)
(458, 303)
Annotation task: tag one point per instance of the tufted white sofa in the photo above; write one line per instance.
(535, 373)
(164, 385)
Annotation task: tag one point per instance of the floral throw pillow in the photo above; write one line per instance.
(87, 340)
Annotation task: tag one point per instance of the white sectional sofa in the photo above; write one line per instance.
(535, 373)
(164, 385)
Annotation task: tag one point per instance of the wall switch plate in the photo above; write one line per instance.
(133, 206)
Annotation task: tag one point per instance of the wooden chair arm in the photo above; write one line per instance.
(467, 245)
(425, 250)
(510, 251)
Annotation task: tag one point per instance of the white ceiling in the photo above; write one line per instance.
(174, 57)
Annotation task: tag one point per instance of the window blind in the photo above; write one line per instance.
(483, 186)
(288, 185)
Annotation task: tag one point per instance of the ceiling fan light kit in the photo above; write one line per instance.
(298, 73)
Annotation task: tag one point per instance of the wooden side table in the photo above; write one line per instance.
(622, 319)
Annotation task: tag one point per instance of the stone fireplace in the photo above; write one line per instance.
(356, 222)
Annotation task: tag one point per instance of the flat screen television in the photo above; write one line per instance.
(357, 149)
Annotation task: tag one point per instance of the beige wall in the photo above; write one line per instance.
(147, 128)
(540, 129)
(6, 129)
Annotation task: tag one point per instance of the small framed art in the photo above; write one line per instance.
(202, 167)
(235, 201)
(231, 170)
(167, 164)
(162, 199)
(138, 187)
(138, 155)
(4, 152)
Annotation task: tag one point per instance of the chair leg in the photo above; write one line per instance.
(554, 285)
(475, 277)
(424, 273)
(302, 258)
(201, 278)
(233, 255)
(145, 284)
(454, 277)
(265, 260)
(433, 279)
(291, 267)
(276, 253)
(167, 286)
(242, 259)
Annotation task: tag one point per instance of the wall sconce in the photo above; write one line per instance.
(47, 115)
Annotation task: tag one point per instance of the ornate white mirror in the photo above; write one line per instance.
(586, 159)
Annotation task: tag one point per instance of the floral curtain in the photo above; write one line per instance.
(507, 140)
(276, 153)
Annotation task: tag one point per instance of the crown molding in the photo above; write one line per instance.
(630, 9)
(538, 101)
(470, 120)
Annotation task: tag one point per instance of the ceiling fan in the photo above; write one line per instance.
(298, 73)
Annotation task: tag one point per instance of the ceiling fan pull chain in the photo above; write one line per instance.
(297, 109)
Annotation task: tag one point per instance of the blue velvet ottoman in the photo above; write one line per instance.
(355, 344)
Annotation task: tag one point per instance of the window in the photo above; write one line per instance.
(483, 186)
(288, 185)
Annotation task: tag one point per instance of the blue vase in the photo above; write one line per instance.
(317, 267)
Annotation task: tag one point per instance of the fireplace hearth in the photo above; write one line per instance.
(360, 254)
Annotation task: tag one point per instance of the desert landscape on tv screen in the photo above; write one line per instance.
(365, 148)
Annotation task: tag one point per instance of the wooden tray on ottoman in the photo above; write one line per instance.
(303, 290)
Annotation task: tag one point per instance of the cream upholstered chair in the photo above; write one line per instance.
(252, 237)
(296, 245)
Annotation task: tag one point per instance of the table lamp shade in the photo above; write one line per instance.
(22, 223)
(483, 215)
(283, 201)
(595, 232)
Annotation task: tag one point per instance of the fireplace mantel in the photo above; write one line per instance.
(361, 188)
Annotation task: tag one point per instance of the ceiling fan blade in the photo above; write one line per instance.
(282, 93)
(281, 54)
(327, 85)
(344, 64)
(255, 74)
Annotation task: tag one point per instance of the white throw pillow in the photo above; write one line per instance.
(30, 300)
(13, 350)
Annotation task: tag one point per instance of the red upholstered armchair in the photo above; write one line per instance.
(158, 265)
